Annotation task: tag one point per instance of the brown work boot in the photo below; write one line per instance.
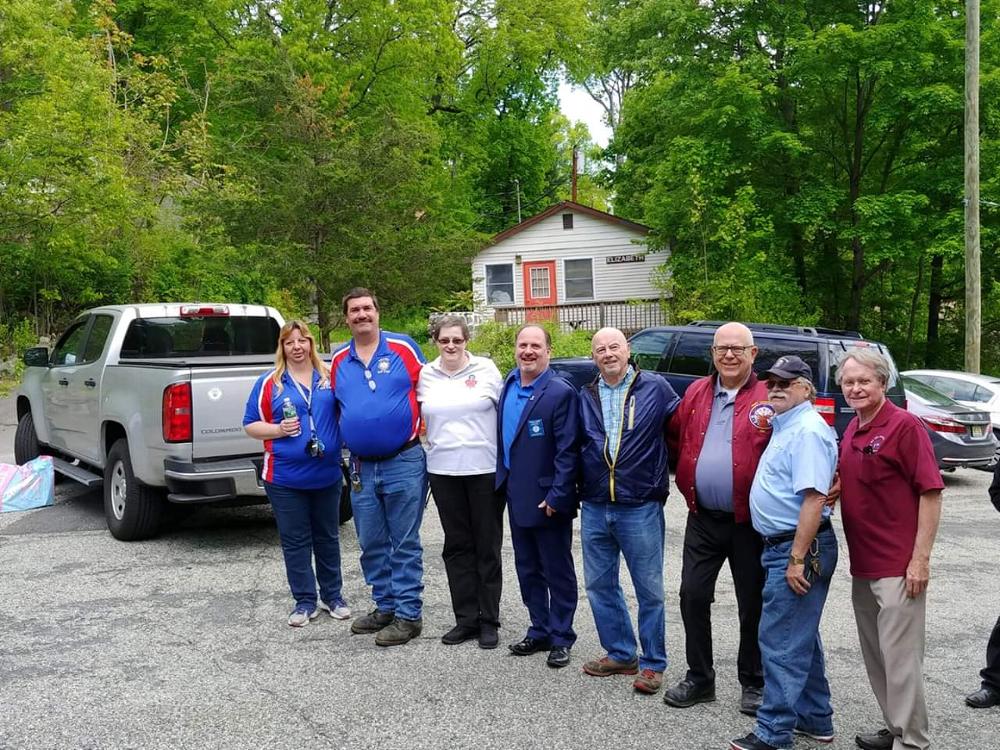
(648, 682)
(606, 666)
(398, 632)
(373, 622)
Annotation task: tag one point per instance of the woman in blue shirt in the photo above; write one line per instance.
(301, 470)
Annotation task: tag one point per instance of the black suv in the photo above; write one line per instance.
(682, 354)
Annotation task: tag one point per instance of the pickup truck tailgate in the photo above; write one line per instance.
(218, 401)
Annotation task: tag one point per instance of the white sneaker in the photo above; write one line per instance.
(301, 616)
(339, 610)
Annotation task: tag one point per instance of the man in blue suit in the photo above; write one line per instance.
(536, 465)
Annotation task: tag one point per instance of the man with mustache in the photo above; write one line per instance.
(374, 380)
(789, 510)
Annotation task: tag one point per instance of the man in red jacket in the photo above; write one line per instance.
(718, 434)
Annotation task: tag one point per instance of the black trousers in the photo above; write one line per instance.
(710, 539)
(471, 513)
(991, 673)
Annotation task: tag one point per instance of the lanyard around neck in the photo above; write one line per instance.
(307, 397)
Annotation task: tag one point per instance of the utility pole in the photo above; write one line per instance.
(517, 189)
(973, 278)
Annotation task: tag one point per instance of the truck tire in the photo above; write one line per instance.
(132, 509)
(26, 445)
(346, 509)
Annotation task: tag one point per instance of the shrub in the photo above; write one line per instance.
(496, 341)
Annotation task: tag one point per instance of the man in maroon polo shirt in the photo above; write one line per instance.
(891, 505)
(718, 433)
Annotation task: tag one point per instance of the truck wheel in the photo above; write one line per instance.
(346, 509)
(132, 509)
(26, 445)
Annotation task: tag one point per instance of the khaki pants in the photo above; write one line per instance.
(891, 631)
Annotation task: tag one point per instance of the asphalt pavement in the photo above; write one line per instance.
(181, 642)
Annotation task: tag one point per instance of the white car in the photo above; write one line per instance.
(978, 391)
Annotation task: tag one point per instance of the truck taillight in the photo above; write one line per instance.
(827, 409)
(177, 413)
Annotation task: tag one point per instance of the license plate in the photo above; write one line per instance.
(978, 430)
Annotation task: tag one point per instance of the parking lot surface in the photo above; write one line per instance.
(181, 642)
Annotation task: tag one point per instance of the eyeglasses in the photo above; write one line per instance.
(368, 377)
(781, 385)
(736, 351)
(456, 341)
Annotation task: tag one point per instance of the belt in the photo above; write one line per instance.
(405, 446)
(715, 515)
(772, 541)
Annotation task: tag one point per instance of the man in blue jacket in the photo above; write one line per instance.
(536, 466)
(625, 476)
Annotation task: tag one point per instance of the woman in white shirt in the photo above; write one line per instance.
(458, 392)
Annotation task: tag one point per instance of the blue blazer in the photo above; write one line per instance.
(543, 458)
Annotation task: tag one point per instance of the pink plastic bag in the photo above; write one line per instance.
(29, 486)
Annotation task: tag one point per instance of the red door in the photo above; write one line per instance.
(540, 290)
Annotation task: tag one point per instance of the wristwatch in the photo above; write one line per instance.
(793, 560)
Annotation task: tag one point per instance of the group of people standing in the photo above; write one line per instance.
(758, 467)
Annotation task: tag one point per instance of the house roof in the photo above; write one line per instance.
(564, 207)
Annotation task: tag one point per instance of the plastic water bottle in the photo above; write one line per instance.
(288, 412)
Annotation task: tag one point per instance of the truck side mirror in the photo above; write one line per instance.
(36, 356)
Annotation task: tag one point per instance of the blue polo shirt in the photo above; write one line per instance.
(378, 405)
(286, 462)
(801, 455)
(713, 475)
(516, 399)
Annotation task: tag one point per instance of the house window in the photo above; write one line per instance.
(567, 221)
(579, 278)
(540, 288)
(500, 284)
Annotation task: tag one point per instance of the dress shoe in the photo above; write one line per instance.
(529, 646)
(983, 698)
(459, 634)
(488, 637)
(685, 694)
(558, 657)
(751, 699)
(750, 742)
(880, 740)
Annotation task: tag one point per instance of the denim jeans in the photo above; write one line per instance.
(610, 531)
(796, 693)
(388, 510)
(309, 524)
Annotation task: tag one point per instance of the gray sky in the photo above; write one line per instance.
(576, 104)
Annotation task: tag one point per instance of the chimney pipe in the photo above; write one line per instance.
(576, 156)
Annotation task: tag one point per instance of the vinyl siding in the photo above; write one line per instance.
(589, 238)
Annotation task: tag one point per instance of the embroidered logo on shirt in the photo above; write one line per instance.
(470, 382)
(875, 444)
(535, 428)
(761, 414)
(383, 366)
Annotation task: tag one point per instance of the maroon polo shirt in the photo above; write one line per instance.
(884, 468)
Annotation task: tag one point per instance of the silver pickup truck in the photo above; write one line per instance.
(148, 400)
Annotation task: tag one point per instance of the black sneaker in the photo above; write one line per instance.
(750, 742)
(373, 622)
(398, 632)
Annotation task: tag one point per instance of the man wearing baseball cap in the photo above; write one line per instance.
(787, 507)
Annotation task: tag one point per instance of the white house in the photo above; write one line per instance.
(571, 263)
